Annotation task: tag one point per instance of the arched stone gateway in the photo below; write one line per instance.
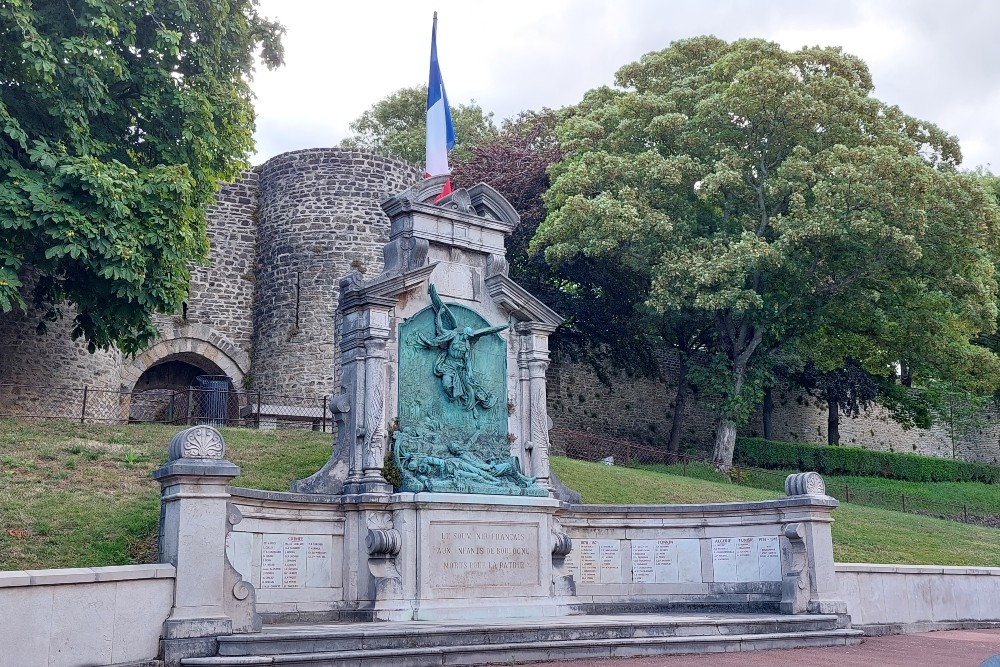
(196, 346)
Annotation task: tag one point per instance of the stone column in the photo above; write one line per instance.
(193, 539)
(533, 356)
(363, 354)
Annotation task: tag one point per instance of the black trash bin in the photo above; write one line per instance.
(213, 395)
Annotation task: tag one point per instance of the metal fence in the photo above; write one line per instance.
(617, 451)
(223, 406)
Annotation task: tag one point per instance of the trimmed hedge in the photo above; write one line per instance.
(839, 460)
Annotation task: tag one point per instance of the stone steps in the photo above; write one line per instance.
(419, 644)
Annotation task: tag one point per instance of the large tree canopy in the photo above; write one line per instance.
(771, 192)
(397, 126)
(117, 122)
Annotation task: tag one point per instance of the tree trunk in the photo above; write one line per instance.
(768, 412)
(674, 444)
(725, 445)
(725, 432)
(832, 422)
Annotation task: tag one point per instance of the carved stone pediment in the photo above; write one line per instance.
(519, 302)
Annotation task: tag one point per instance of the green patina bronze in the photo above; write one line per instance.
(452, 434)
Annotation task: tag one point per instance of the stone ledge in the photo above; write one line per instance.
(467, 499)
(133, 572)
(917, 569)
(14, 578)
(85, 575)
(885, 629)
(285, 496)
(804, 502)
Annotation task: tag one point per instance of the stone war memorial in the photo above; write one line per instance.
(436, 533)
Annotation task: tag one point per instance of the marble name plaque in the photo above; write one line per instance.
(598, 561)
(477, 555)
(296, 561)
(746, 559)
(666, 561)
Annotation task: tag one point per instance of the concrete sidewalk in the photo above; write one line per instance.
(953, 648)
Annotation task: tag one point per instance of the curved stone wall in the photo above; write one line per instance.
(50, 360)
(319, 216)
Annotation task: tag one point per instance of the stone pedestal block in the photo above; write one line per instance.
(193, 540)
(464, 556)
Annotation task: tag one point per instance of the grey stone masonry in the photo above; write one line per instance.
(52, 359)
(319, 220)
(221, 294)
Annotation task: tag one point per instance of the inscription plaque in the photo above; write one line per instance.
(769, 558)
(746, 559)
(724, 558)
(600, 561)
(295, 561)
(666, 561)
(747, 568)
(463, 555)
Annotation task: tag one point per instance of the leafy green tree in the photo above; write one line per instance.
(117, 122)
(606, 319)
(397, 126)
(770, 191)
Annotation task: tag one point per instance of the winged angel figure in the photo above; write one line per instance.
(454, 364)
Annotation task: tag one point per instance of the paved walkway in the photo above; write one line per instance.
(953, 648)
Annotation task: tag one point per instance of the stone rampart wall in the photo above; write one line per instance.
(635, 408)
(83, 616)
(641, 410)
(52, 359)
(799, 418)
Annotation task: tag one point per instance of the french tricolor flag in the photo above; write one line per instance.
(440, 131)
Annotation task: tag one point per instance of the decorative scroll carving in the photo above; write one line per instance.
(241, 606)
(561, 544)
(805, 483)
(496, 265)
(383, 542)
(795, 589)
(459, 200)
(197, 442)
(242, 590)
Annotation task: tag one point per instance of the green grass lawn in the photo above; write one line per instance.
(936, 498)
(76, 495)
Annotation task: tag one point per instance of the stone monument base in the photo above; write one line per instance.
(465, 556)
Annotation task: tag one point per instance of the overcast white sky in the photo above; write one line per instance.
(939, 60)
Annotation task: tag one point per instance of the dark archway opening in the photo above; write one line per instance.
(168, 391)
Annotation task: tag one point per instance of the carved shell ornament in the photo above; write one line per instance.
(197, 442)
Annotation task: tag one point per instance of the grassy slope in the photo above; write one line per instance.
(75, 495)
(81, 495)
(860, 534)
(929, 497)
